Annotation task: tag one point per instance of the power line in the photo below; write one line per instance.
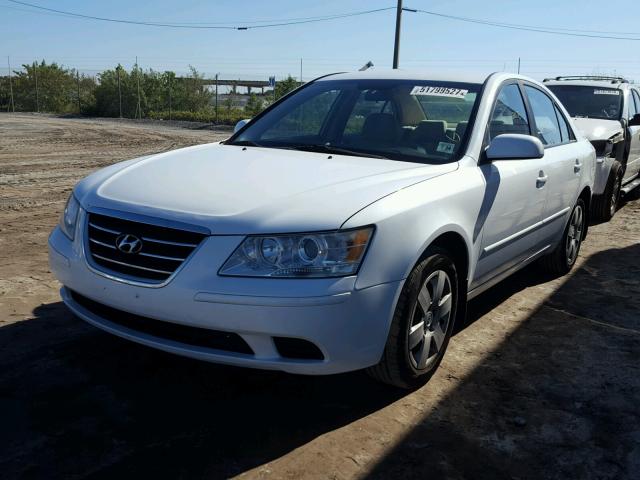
(531, 28)
(220, 26)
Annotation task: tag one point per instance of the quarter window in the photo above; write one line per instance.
(509, 114)
(564, 126)
(544, 114)
(636, 98)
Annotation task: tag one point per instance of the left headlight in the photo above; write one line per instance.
(69, 217)
(308, 255)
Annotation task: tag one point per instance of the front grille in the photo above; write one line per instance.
(163, 249)
(188, 335)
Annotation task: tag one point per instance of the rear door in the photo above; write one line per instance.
(514, 196)
(562, 162)
(633, 162)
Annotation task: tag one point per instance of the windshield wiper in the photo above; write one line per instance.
(320, 148)
(245, 143)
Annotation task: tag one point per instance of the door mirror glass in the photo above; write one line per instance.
(513, 146)
(240, 124)
(635, 121)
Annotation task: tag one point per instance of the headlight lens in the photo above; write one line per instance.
(70, 217)
(309, 255)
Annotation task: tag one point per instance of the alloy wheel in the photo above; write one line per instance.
(430, 320)
(574, 234)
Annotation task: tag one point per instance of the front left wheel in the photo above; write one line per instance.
(422, 323)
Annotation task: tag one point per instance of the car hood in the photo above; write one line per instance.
(238, 190)
(597, 129)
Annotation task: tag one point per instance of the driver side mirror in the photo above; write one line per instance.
(241, 124)
(515, 146)
(635, 120)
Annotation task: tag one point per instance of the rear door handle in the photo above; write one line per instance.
(541, 180)
(577, 166)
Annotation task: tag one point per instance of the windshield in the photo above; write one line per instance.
(419, 121)
(590, 102)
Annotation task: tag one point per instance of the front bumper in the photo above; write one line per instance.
(349, 326)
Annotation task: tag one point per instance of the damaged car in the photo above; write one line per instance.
(607, 111)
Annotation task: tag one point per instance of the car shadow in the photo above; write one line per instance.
(78, 402)
(557, 398)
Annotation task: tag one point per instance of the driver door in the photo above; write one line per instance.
(514, 197)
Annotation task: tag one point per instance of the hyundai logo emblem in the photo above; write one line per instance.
(128, 243)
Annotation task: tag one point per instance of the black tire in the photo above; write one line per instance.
(400, 365)
(560, 262)
(605, 205)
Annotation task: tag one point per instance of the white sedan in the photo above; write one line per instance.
(345, 227)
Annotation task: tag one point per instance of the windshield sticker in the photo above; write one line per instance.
(445, 147)
(606, 92)
(439, 91)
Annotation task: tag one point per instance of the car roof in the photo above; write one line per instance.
(427, 75)
(584, 82)
(402, 74)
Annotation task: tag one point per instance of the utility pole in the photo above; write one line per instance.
(138, 108)
(118, 68)
(518, 65)
(216, 98)
(35, 73)
(300, 71)
(12, 104)
(78, 83)
(396, 46)
(170, 81)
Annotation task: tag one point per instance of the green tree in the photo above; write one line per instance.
(285, 86)
(57, 88)
(254, 105)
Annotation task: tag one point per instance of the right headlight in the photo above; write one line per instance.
(300, 255)
(69, 217)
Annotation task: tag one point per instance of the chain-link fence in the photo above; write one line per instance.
(136, 93)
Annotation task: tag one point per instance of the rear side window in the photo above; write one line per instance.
(509, 114)
(565, 131)
(544, 114)
(636, 98)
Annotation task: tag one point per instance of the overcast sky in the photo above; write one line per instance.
(345, 44)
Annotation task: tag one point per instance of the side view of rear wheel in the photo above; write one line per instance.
(605, 205)
(563, 258)
(422, 323)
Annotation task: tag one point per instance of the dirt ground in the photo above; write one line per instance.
(542, 382)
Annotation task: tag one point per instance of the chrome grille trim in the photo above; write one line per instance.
(93, 240)
(130, 265)
(104, 229)
(167, 242)
(163, 251)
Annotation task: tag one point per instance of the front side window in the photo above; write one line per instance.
(509, 114)
(590, 102)
(408, 120)
(544, 114)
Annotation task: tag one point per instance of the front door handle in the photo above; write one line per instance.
(577, 166)
(541, 180)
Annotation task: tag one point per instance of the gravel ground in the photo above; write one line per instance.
(542, 382)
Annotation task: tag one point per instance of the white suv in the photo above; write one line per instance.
(344, 227)
(607, 110)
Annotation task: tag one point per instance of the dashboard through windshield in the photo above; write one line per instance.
(409, 120)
